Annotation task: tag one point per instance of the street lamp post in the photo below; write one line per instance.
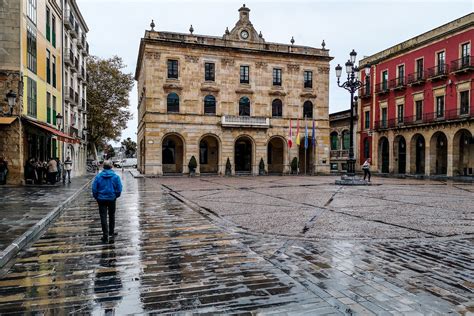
(11, 99)
(352, 84)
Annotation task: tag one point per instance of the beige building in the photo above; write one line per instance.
(339, 137)
(229, 98)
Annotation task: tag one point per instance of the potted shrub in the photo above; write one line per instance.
(261, 167)
(294, 165)
(192, 165)
(228, 168)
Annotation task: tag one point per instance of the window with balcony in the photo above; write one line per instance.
(48, 66)
(53, 30)
(401, 75)
(400, 113)
(277, 108)
(244, 106)
(31, 97)
(440, 62)
(419, 110)
(172, 103)
(172, 69)
(367, 86)
(308, 110)
(385, 80)
(419, 69)
(465, 54)
(308, 79)
(48, 24)
(440, 106)
(244, 74)
(276, 77)
(367, 119)
(334, 141)
(31, 10)
(31, 48)
(209, 71)
(346, 140)
(464, 102)
(384, 118)
(209, 104)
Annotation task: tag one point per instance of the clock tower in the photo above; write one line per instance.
(243, 29)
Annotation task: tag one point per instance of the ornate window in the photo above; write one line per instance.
(334, 141)
(209, 71)
(173, 69)
(209, 104)
(244, 74)
(277, 108)
(276, 77)
(172, 103)
(308, 109)
(346, 140)
(308, 79)
(244, 106)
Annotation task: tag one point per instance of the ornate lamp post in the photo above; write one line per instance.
(11, 99)
(352, 84)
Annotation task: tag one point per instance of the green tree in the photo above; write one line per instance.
(108, 100)
(130, 147)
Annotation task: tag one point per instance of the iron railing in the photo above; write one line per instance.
(437, 72)
(364, 92)
(382, 87)
(416, 78)
(464, 63)
(398, 83)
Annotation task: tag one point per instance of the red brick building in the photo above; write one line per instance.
(416, 110)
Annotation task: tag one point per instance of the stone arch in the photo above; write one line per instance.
(463, 153)
(244, 154)
(384, 155)
(399, 154)
(417, 154)
(172, 153)
(276, 154)
(209, 153)
(439, 154)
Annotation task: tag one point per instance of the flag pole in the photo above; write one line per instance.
(305, 160)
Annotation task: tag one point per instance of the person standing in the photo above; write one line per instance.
(106, 188)
(68, 168)
(366, 168)
(3, 170)
(52, 170)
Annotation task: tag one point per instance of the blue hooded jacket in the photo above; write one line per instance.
(106, 186)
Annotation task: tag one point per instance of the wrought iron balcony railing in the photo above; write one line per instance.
(248, 121)
(365, 92)
(437, 72)
(382, 87)
(398, 83)
(462, 64)
(416, 78)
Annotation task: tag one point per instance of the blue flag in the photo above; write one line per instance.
(313, 137)
(306, 135)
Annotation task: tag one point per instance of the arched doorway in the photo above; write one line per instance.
(463, 153)
(172, 154)
(243, 155)
(439, 154)
(276, 155)
(209, 155)
(400, 154)
(384, 155)
(417, 154)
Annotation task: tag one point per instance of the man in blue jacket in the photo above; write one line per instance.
(106, 188)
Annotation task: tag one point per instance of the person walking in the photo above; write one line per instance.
(52, 170)
(366, 168)
(3, 170)
(106, 188)
(68, 169)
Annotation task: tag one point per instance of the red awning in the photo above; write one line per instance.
(60, 135)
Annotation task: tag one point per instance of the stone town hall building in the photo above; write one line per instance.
(229, 97)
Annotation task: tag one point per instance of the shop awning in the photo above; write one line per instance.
(7, 120)
(60, 135)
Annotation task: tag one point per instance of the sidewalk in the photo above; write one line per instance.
(27, 210)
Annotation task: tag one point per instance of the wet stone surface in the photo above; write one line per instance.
(275, 245)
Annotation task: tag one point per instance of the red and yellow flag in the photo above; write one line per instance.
(298, 133)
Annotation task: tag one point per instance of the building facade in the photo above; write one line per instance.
(229, 98)
(339, 138)
(31, 67)
(76, 51)
(416, 108)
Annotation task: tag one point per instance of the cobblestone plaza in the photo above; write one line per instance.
(269, 245)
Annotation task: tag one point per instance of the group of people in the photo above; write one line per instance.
(48, 172)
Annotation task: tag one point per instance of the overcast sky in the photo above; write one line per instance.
(368, 26)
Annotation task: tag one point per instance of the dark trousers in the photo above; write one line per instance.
(107, 207)
(367, 173)
(68, 176)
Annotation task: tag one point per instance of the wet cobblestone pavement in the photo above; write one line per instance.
(275, 245)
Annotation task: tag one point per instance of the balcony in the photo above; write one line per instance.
(339, 154)
(69, 20)
(76, 63)
(73, 132)
(82, 105)
(68, 58)
(81, 75)
(399, 83)
(74, 32)
(69, 94)
(382, 88)
(416, 78)
(245, 121)
(85, 51)
(365, 92)
(462, 65)
(76, 98)
(437, 72)
(426, 118)
(80, 43)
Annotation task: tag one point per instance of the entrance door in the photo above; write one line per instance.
(385, 155)
(243, 155)
(402, 154)
(420, 156)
